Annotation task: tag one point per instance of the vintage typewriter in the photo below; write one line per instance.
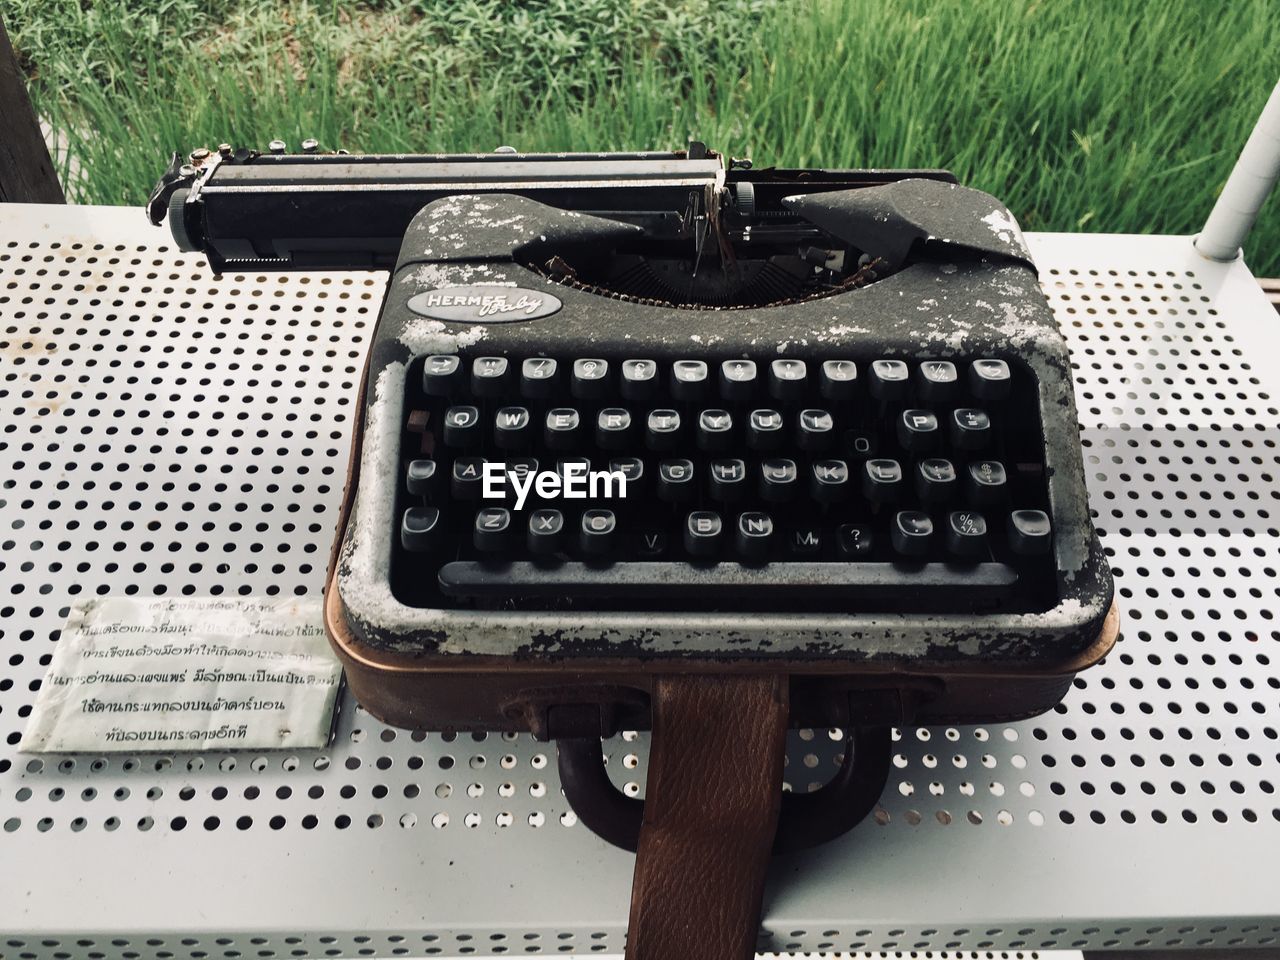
(631, 415)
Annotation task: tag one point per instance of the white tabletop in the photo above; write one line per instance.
(165, 431)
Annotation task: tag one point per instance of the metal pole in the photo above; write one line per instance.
(1246, 189)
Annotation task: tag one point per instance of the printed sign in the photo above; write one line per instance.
(187, 674)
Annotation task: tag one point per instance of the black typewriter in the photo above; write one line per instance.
(670, 407)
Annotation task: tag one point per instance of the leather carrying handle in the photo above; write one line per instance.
(806, 820)
(711, 808)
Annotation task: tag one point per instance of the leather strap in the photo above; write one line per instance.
(711, 808)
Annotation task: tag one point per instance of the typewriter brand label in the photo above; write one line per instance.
(484, 304)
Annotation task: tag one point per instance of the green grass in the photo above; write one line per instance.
(1117, 116)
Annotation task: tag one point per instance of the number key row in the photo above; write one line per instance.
(785, 378)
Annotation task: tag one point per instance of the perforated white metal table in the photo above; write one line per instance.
(166, 433)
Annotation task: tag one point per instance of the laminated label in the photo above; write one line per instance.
(205, 673)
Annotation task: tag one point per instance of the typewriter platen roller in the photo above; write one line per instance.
(837, 401)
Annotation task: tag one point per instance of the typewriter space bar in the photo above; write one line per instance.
(961, 585)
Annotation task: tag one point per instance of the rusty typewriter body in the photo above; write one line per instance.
(838, 403)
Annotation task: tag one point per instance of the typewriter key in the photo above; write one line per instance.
(967, 534)
(854, 541)
(633, 469)
(935, 480)
(442, 376)
(662, 430)
(829, 481)
(778, 480)
(804, 540)
(639, 379)
(420, 528)
(420, 478)
(511, 428)
(728, 480)
(492, 526)
(650, 543)
(467, 478)
(911, 532)
(545, 531)
(590, 379)
(737, 380)
(754, 534)
(838, 379)
(938, 380)
(490, 376)
(1029, 532)
(918, 430)
(573, 466)
(613, 428)
(462, 426)
(764, 430)
(538, 378)
(787, 379)
(597, 532)
(888, 379)
(815, 430)
(715, 429)
(689, 380)
(563, 428)
(881, 480)
(986, 482)
(702, 530)
(675, 480)
(970, 428)
(989, 379)
(522, 468)
(858, 444)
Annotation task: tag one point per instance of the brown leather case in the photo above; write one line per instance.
(481, 693)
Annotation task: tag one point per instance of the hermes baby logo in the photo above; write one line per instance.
(484, 304)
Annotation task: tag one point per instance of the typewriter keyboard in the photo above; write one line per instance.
(697, 483)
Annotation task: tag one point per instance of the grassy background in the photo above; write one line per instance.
(1122, 115)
